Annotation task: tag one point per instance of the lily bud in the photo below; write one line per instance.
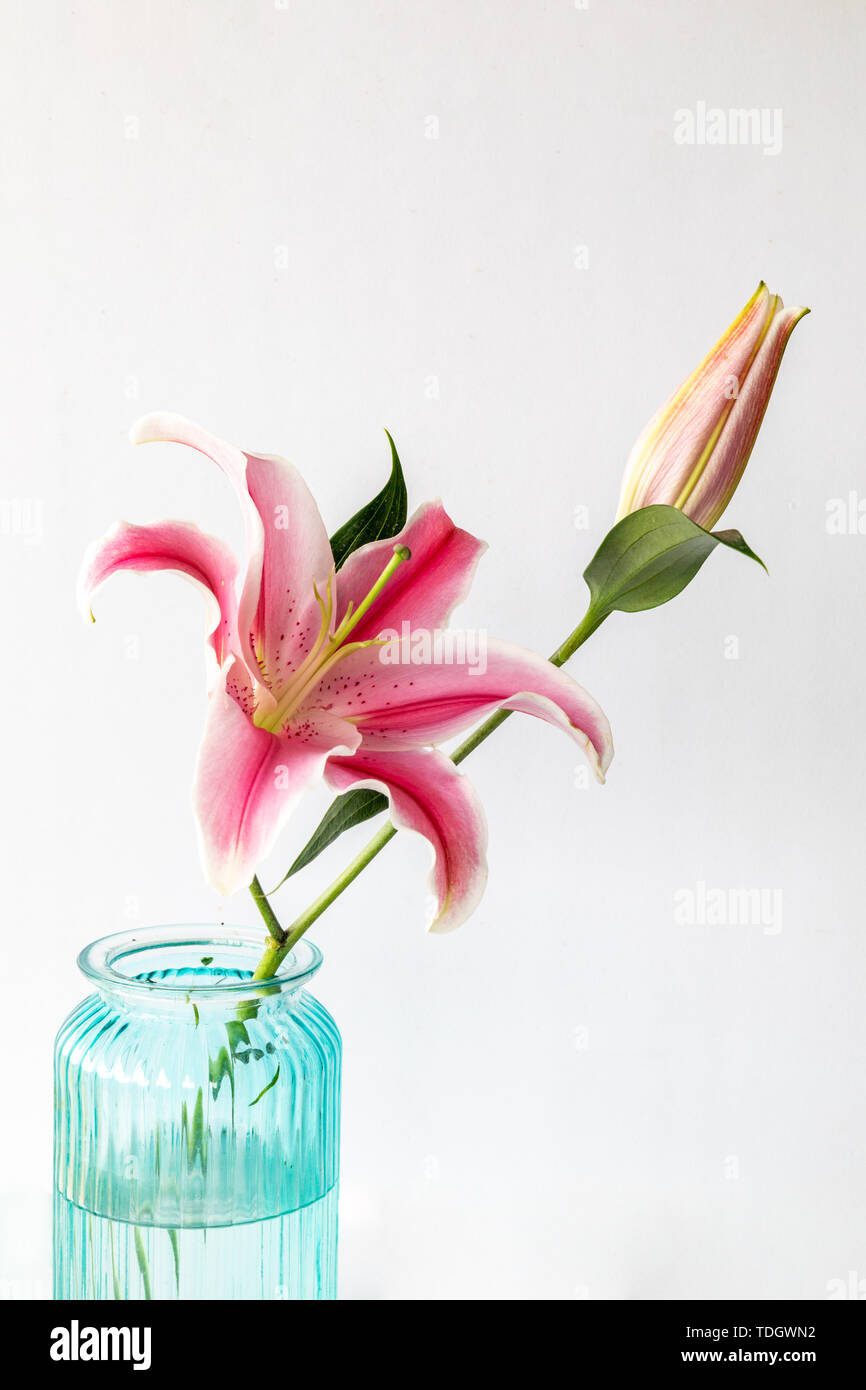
(693, 452)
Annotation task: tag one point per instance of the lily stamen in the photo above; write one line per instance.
(327, 651)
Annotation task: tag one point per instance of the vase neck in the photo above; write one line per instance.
(208, 968)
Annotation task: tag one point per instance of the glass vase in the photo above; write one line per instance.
(196, 1124)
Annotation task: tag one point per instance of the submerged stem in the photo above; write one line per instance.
(281, 941)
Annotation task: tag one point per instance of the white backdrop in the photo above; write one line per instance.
(470, 222)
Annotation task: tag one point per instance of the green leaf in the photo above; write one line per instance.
(273, 1081)
(172, 1235)
(379, 520)
(220, 1067)
(649, 557)
(141, 1257)
(194, 1132)
(348, 809)
(237, 1033)
(115, 1279)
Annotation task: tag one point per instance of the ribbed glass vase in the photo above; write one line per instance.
(196, 1124)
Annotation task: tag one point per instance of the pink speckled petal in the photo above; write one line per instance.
(402, 703)
(248, 781)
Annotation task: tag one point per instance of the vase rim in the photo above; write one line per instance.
(240, 947)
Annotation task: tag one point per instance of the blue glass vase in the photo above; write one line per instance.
(196, 1124)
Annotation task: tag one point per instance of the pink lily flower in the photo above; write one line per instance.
(301, 691)
(693, 452)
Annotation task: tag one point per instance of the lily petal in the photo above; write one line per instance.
(429, 795)
(716, 485)
(296, 557)
(169, 545)
(248, 781)
(426, 589)
(165, 427)
(398, 703)
(665, 454)
(287, 548)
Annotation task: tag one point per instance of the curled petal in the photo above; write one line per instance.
(169, 545)
(165, 427)
(429, 795)
(426, 589)
(398, 702)
(248, 781)
(287, 548)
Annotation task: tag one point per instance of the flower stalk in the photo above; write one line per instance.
(293, 702)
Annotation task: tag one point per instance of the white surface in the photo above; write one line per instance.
(282, 253)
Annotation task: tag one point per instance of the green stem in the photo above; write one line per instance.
(277, 950)
(261, 901)
(280, 941)
(585, 628)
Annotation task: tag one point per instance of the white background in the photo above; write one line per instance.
(237, 211)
